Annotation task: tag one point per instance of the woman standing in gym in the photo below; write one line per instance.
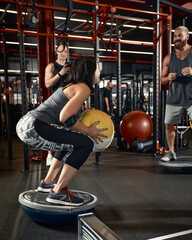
(54, 126)
(55, 74)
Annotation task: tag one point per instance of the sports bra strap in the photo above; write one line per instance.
(67, 86)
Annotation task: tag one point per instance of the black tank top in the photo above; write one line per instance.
(57, 68)
(180, 90)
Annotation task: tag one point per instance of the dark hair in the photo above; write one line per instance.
(61, 41)
(82, 70)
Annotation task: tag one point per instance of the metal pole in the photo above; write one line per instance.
(156, 82)
(119, 103)
(149, 101)
(96, 54)
(1, 127)
(134, 92)
(8, 117)
(164, 92)
(23, 91)
(96, 96)
(137, 90)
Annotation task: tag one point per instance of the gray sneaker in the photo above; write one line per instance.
(64, 197)
(169, 156)
(46, 187)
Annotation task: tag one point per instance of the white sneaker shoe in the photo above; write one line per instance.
(169, 156)
(49, 159)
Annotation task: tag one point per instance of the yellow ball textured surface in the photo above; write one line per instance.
(89, 117)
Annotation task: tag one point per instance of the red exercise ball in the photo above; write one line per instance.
(136, 124)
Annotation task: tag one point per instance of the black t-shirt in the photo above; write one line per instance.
(107, 93)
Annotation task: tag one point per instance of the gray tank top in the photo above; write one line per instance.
(180, 90)
(49, 110)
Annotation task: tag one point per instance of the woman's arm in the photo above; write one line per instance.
(77, 95)
(81, 94)
(50, 78)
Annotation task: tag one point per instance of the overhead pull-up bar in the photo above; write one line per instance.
(176, 6)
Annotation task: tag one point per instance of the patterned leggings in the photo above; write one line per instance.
(71, 147)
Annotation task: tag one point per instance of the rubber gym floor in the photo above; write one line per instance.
(137, 198)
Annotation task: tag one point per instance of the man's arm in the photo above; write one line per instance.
(165, 75)
(107, 104)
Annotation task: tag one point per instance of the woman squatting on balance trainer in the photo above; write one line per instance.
(54, 126)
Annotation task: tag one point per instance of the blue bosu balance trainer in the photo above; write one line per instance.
(35, 206)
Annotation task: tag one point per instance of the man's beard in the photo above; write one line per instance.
(180, 44)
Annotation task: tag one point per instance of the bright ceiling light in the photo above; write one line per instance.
(71, 19)
(9, 11)
(136, 52)
(136, 42)
(145, 27)
(17, 43)
(82, 48)
(76, 36)
(18, 71)
(129, 26)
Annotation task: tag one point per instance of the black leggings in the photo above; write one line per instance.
(76, 146)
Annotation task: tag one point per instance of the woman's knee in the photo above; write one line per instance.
(86, 143)
(90, 145)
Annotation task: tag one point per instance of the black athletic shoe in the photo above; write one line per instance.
(64, 197)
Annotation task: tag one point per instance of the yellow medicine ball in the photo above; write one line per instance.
(89, 117)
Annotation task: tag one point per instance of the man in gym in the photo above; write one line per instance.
(108, 100)
(177, 72)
